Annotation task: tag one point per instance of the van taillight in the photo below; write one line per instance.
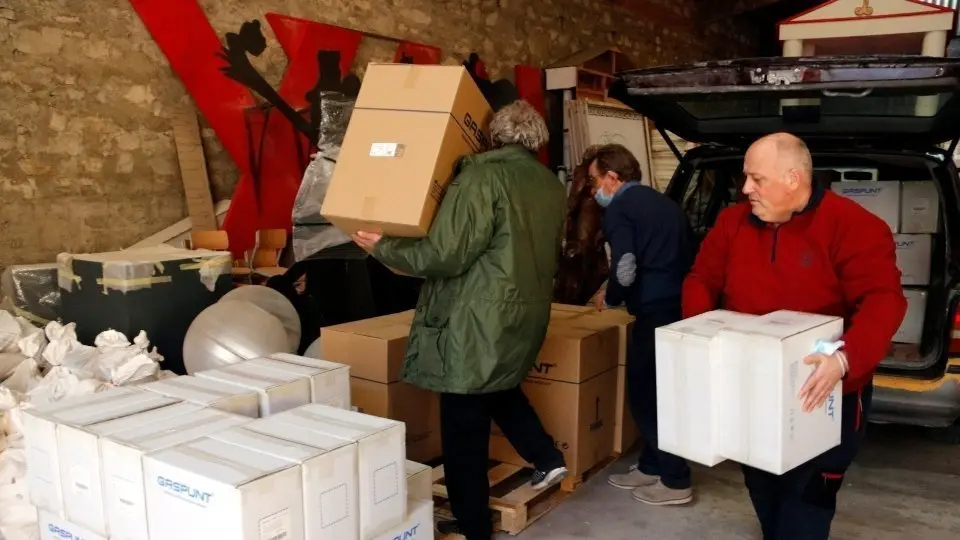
(955, 342)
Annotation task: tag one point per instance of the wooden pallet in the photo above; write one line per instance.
(515, 504)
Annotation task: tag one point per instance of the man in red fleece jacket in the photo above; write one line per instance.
(796, 245)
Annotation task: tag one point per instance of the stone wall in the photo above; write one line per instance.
(87, 161)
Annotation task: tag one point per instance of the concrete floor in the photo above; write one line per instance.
(903, 486)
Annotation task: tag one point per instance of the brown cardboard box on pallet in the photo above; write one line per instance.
(374, 350)
(573, 389)
(409, 127)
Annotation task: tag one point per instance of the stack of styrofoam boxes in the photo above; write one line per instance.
(728, 385)
(912, 209)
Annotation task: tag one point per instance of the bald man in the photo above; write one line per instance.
(795, 245)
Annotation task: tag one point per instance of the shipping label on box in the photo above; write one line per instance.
(54, 527)
(122, 453)
(44, 478)
(209, 393)
(328, 386)
(688, 368)
(417, 408)
(381, 465)
(211, 489)
(329, 476)
(914, 253)
(911, 329)
(762, 372)
(278, 391)
(579, 417)
(373, 348)
(882, 199)
(410, 126)
(417, 526)
(919, 208)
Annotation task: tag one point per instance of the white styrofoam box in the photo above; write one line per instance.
(329, 468)
(762, 372)
(919, 208)
(122, 454)
(329, 384)
(419, 481)
(278, 391)
(381, 462)
(914, 252)
(417, 526)
(40, 434)
(687, 404)
(882, 199)
(80, 462)
(209, 393)
(54, 527)
(911, 329)
(207, 489)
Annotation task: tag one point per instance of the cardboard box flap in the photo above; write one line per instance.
(410, 87)
(784, 324)
(150, 417)
(284, 449)
(295, 429)
(707, 325)
(220, 461)
(575, 353)
(178, 430)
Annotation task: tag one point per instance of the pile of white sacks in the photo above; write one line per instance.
(39, 366)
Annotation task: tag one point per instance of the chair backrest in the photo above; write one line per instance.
(266, 253)
(213, 240)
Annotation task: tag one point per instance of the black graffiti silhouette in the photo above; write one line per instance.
(498, 93)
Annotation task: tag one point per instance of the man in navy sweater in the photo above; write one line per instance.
(651, 247)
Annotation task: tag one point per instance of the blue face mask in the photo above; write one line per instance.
(602, 198)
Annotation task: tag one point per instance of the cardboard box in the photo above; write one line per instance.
(328, 466)
(688, 368)
(762, 372)
(919, 208)
(211, 489)
(914, 254)
(278, 391)
(415, 407)
(559, 312)
(81, 468)
(624, 323)
(577, 350)
(373, 348)
(329, 385)
(122, 454)
(419, 481)
(209, 393)
(417, 526)
(381, 464)
(44, 477)
(882, 199)
(54, 527)
(625, 430)
(911, 329)
(579, 417)
(409, 127)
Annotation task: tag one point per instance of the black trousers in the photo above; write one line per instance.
(465, 434)
(673, 471)
(800, 504)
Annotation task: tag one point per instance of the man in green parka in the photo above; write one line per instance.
(489, 264)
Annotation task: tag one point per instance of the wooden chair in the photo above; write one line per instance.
(219, 241)
(265, 260)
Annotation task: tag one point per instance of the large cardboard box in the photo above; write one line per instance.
(329, 385)
(209, 393)
(211, 489)
(911, 329)
(278, 390)
(122, 454)
(576, 350)
(882, 199)
(762, 372)
(409, 127)
(559, 312)
(415, 407)
(328, 466)
(40, 428)
(914, 254)
(919, 208)
(381, 465)
(688, 402)
(625, 430)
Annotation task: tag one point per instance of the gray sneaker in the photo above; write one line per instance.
(658, 494)
(633, 479)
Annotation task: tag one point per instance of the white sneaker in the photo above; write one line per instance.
(544, 479)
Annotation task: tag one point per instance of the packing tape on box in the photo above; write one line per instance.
(125, 277)
(258, 377)
(210, 269)
(182, 428)
(333, 422)
(29, 316)
(412, 78)
(190, 385)
(65, 276)
(218, 460)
